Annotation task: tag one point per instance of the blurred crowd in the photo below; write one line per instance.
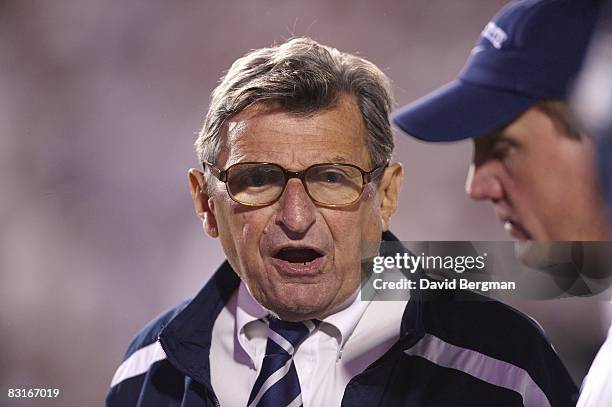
(100, 102)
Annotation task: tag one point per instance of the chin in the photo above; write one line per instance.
(295, 302)
(543, 254)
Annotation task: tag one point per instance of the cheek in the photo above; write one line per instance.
(540, 176)
(351, 228)
(249, 227)
(538, 186)
(519, 184)
(371, 215)
(535, 198)
(250, 235)
(237, 228)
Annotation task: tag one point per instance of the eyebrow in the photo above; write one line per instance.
(498, 137)
(505, 138)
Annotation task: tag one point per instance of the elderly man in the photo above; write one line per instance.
(296, 180)
(529, 159)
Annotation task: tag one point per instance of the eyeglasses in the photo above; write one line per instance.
(261, 184)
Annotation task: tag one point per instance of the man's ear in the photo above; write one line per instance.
(388, 190)
(202, 202)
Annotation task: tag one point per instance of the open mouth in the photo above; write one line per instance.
(297, 255)
(298, 260)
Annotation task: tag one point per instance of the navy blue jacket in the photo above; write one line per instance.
(482, 339)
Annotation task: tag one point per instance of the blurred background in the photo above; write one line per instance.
(99, 105)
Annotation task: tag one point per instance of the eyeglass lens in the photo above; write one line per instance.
(258, 184)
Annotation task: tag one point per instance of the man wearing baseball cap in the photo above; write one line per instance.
(529, 159)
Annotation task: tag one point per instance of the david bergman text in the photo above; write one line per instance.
(423, 284)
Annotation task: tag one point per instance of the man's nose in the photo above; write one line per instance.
(297, 212)
(482, 183)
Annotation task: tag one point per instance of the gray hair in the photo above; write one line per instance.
(301, 76)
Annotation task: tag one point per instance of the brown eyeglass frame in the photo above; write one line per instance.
(366, 177)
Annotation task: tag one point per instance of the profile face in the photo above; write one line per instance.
(300, 260)
(542, 183)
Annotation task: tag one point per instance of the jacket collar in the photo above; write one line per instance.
(187, 338)
(411, 329)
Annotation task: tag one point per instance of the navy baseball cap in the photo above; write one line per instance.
(531, 50)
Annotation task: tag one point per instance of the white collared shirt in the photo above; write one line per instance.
(345, 343)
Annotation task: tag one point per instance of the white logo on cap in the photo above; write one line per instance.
(494, 34)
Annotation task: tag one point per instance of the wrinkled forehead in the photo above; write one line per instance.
(267, 132)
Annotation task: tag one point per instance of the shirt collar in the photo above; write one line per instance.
(347, 317)
(247, 310)
(342, 322)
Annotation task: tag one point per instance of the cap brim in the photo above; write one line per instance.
(460, 110)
